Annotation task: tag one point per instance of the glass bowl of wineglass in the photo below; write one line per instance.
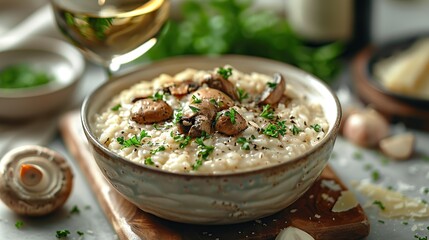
(111, 32)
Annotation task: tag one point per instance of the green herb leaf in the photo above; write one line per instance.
(203, 153)
(79, 233)
(379, 204)
(375, 175)
(267, 112)
(272, 85)
(19, 224)
(148, 161)
(181, 139)
(178, 114)
(245, 144)
(225, 72)
(231, 114)
(75, 210)
(195, 99)
(274, 130)
(159, 149)
(116, 107)
(157, 96)
(134, 141)
(242, 94)
(62, 233)
(22, 76)
(194, 109)
(316, 127)
(295, 130)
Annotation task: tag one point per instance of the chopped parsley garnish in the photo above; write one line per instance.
(405, 223)
(375, 175)
(159, 149)
(194, 109)
(181, 139)
(134, 141)
(116, 107)
(196, 99)
(274, 130)
(379, 204)
(148, 161)
(295, 130)
(381, 221)
(231, 114)
(242, 94)
(203, 153)
(178, 116)
(316, 127)
(421, 238)
(267, 112)
(75, 210)
(79, 233)
(245, 143)
(62, 233)
(272, 85)
(157, 96)
(225, 72)
(19, 224)
(425, 190)
(357, 155)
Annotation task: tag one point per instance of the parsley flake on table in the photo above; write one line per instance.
(75, 210)
(62, 233)
(267, 112)
(19, 224)
(134, 141)
(225, 72)
(379, 204)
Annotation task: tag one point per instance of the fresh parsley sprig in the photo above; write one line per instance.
(274, 130)
(231, 114)
(267, 112)
(245, 143)
(225, 72)
(203, 153)
(133, 141)
(242, 94)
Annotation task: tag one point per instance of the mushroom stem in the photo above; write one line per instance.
(30, 174)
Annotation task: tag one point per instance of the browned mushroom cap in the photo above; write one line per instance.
(147, 111)
(180, 89)
(275, 90)
(230, 122)
(214, 97)
(200, 121)
(216, 81)
(34, 180)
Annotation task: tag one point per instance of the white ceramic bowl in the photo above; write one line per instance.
(55, 57)
(223, 198)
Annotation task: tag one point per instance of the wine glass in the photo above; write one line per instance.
(111, 32)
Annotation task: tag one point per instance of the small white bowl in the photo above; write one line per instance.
(55, 57)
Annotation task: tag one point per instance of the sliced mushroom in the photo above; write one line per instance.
(147, 111)
(200, 121)
(273, 94)
(180, 89)
(214, 97)
(216, 81)
(34, 180)
(230, 122)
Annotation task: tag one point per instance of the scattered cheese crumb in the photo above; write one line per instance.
(331, 184)
(293, 233)
(345, 202)
(394, 203)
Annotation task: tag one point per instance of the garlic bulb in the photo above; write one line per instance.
(34, 180)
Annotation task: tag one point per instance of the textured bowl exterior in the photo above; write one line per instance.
(212, 199)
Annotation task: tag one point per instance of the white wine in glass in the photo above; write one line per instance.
(111, 32)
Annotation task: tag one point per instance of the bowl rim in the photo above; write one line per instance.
(332, 133)
(49, 45)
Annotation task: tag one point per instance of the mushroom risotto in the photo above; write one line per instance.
(211, 122)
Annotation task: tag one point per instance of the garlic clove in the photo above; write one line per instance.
(293, 233)
(399, 147)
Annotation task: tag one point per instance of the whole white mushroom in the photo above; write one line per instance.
(34, 180)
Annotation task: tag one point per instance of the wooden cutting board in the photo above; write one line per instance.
(310, 213)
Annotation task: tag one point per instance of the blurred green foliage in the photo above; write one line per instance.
(216, 27)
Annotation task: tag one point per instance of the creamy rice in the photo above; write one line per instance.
(162, 149)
